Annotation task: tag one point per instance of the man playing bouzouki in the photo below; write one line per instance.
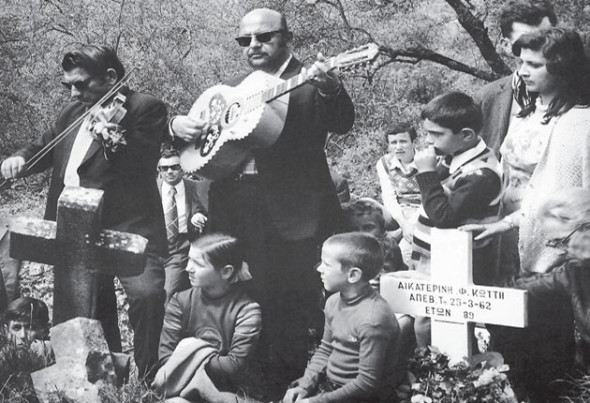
(281, 204)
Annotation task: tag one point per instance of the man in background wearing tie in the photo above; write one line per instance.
(184, 213)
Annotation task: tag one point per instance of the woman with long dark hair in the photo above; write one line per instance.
(546, 150)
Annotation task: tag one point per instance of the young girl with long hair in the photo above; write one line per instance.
(212, 326)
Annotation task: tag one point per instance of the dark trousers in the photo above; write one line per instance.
(175, 267)
(146, 297)
(285, 282)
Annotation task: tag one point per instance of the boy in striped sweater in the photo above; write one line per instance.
(460, 180)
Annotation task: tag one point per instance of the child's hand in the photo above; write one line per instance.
(295, 394)
(425, 160)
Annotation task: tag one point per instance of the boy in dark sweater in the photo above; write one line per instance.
(460, 180)
(358, 358)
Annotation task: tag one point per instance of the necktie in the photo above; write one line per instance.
(171, 216)
(521, 95)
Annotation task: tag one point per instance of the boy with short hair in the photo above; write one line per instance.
(27, 322)
(397, 177)
(359, 352)
(366, 215)
(460, 179)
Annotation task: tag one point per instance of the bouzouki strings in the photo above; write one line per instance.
(243, 118)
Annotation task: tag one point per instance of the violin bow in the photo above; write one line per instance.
(34, 160)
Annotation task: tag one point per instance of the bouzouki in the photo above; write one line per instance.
(248, 116)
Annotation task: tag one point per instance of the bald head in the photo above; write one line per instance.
(262, 18)
(264, 35)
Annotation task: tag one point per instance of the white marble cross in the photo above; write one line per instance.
(450, 298)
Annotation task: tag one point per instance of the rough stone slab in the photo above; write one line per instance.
(125, 253)
(75, 339)
(84, 368)
(53, 382)
(79, 198)
(34, 240)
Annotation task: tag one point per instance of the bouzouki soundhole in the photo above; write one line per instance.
(232, 114)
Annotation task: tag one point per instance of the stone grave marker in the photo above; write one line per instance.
(451, 299)
(78, 248)
(84, 369)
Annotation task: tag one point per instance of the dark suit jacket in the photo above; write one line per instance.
(300, 195)
(131, 200)
(193, 204)
(496, 101)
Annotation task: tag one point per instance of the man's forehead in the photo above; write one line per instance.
(76, 73)
(259, 21)
(520, 28)
(399, 135)
(169, 161)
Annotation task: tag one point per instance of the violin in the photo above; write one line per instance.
(111, 139)
(104, 125)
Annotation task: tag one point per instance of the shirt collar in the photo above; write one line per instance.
(397, 164)
(461, 159)
(166, 187)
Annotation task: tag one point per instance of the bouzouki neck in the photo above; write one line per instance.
(354, 57)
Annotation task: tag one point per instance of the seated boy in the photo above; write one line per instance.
(463, 186)
(366, 215)
(397, 176)
(27, 324)
(359, 352)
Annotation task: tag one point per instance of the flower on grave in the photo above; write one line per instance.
(421, 399)
(481, 379)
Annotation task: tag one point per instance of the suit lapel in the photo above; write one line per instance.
(293, 68)
(506, 99)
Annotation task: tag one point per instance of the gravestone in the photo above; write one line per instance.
(450, 298)
(84, 370)
(79, 249)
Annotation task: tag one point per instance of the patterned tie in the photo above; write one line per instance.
(521, 95)
(172, 220)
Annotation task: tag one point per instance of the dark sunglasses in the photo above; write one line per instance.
(563, 242)
(79, 85)
(263, 37)
(164, 168)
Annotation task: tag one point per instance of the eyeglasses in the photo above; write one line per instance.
(79, 85)
(263, 37)
(563, 242)
(164, 168)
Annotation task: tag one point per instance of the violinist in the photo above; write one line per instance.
(114, 147)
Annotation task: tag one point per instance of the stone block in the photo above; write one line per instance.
(84, 369)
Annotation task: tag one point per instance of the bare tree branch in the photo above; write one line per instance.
(119, 25)
(415, 54)
(471, 23)
(60, 28)
(479, 33)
